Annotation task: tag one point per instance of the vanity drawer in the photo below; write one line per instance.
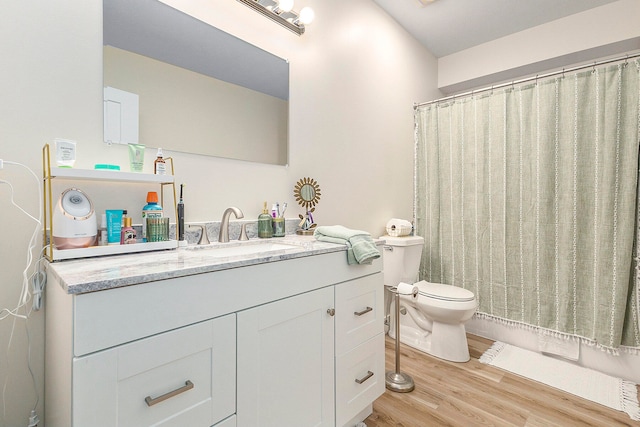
(359, 311)
(178, 378)
(359, 378)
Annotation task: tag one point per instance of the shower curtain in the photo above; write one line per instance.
(528, 196)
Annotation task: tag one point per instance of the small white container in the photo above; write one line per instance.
(65, 152)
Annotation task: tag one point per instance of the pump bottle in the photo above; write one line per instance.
(159, 165)
(265, 223)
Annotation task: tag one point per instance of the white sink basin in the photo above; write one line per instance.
(256, 248)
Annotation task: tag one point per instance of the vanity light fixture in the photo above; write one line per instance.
(281, 11)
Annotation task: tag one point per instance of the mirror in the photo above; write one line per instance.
(307, 194)
(201, 90)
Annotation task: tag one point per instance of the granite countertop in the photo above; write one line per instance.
(108, 272)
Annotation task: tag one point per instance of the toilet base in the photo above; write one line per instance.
(454, 347)
(450, 341)
(416, 338)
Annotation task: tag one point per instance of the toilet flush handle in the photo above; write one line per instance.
(388, 248)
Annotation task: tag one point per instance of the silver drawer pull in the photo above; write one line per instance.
(188, 385)
(366, 377)
(365, 311)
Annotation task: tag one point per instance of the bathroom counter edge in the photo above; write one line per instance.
(115, 271)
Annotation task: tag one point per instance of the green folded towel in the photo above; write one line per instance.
(360, 246)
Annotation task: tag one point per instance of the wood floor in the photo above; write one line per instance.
(474, 394)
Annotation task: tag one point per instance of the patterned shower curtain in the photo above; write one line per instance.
(528, 196)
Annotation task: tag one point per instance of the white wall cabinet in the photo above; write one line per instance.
(274, 344)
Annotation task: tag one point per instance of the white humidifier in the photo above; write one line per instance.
(74, 221)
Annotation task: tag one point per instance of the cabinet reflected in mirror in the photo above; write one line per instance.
(201, 90)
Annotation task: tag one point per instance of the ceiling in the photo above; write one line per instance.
(448, 26)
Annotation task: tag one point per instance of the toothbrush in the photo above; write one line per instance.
(181, 215)
(284, 208)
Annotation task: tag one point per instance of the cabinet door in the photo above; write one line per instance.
(286, 362)
(184, 377)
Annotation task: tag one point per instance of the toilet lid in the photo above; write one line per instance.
(444, 292)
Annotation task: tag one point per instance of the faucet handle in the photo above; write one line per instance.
(243, 232)
(204, 239)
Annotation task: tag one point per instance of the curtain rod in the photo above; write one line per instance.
(529, 79)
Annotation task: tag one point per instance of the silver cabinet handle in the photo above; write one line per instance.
(366, 377)
(365, 311)
(331, 312)
(188, 385)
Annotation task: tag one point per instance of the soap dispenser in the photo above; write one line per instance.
(159, 165)
(265, 224)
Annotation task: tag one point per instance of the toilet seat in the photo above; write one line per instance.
(444, 292)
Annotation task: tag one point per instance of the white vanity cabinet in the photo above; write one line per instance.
(271, 344)
(286, 362)
(184, 377)
(360, 374)
(321, 347)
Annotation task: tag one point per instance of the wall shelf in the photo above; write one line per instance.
(49, 174)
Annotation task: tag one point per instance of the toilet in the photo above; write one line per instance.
(433, 320)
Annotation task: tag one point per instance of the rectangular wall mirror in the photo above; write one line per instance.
(201, 90)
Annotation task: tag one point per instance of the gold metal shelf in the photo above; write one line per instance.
(49, 174)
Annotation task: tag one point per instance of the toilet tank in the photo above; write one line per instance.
(401, 259)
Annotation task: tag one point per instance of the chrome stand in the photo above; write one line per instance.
(396, 380)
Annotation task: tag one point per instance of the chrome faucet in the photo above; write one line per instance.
(223, 237)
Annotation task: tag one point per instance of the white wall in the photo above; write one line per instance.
(605, 31)
(355, 75)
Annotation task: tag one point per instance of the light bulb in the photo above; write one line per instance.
(307, 15)
(285, 5)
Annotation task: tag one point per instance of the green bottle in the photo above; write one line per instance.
(265, 226)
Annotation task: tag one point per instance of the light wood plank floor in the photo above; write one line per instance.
(474, 394)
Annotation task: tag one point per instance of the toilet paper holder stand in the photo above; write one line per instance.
(396, 380)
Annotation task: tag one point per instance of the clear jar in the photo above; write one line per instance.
(278, 227)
